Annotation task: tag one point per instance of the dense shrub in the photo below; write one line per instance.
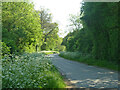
(5, 49)
(30, 71)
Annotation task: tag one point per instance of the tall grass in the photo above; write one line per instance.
(30, 71)
(87, 59)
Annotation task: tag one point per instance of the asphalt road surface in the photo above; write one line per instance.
(85, 76)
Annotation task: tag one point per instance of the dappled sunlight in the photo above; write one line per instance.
(52, 55)
(86, 76)
(34, 40)
(96, 83)
(75, 81)
(106, 72)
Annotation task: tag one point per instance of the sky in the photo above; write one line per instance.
(60, 9)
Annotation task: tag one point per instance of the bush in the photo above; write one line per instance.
(62, 48)
(30, 71)
(5, 49)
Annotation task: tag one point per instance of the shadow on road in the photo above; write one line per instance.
(85, 76)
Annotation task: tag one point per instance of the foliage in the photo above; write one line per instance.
(100, 33)
(103, 25)
(87, 59)
(78, 41)
(51, 39)
(62, 48)
(21, 28)
(5, 49)
(23, 32)
(30, 71)
(75, 22)
(26, 30)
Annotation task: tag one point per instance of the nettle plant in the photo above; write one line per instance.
(27, 71)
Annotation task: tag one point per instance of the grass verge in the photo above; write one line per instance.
(87, 59)
(30, 71)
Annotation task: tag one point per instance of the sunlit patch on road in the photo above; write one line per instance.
(83, 75)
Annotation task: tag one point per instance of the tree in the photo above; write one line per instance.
(100, 33)
(50, 30)
(101, 23)
(75, 22)
(21, 26)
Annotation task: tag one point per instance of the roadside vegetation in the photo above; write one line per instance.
(25, 32)
(30, 71)
(49, 52)
(95, 33)
(87, 59)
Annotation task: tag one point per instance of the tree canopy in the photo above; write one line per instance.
(50, 31)
(26, 30)
(100, 33)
